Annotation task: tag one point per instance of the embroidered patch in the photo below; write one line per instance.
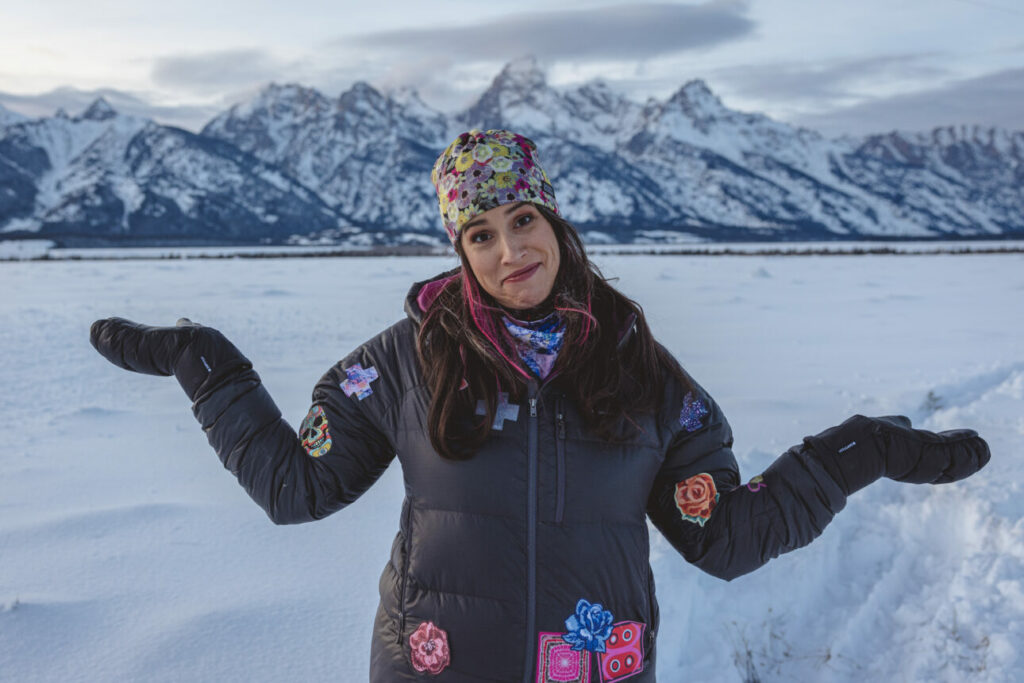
(692, 413)
(696, 497)
(358, 381)
(589, 627)
(756, 484)
(316, 437)
(625, 654)
(505, 411)
(558, 662)
(428, 648)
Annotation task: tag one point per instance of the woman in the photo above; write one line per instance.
(538, 424)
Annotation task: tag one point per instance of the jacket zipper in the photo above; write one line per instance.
(405, 569)
(652, 627)
(531, 535)
(560, 472)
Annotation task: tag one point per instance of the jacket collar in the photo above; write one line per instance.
(422, 295)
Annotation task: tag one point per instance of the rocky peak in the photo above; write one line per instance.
(697, 101)
(520, 74)
(289, 99)
(412, 105)
(520, 85)
(893, 147)
(363, 91)
(598, 92)
(99, 110)
(362, 98)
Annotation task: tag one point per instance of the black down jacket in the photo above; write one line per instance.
(529, 561)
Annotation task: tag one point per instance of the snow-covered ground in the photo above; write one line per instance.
(127, 553)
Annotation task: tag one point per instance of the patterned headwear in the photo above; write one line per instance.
(482, 170)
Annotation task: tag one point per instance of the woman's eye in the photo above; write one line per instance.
(523, 220)
(479, 236)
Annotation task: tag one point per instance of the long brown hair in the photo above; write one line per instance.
(467, 355)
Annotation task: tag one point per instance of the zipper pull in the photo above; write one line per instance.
(533, 407)
(560, 421)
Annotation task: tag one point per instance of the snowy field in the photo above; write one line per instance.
(127, 553)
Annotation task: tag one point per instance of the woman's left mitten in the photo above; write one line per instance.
(918, 456)
(863, 449)
(191, 352)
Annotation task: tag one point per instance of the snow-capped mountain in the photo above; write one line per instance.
(107, 176)
(293, 161)
(366, 153)
(968, 178)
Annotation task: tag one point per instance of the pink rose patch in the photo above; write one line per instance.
(429, 648)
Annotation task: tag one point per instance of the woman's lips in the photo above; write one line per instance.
(521, 275)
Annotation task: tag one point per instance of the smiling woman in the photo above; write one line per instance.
(539, 426)
(513, 253)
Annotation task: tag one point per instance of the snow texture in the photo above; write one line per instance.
(127, 553)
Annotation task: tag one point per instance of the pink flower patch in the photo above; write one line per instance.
(429, 648)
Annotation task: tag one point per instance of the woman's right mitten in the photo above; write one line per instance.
(863, 449)
(191, 352)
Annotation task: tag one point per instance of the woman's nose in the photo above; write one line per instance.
(511, 249)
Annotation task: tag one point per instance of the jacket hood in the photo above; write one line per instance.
(422, 294)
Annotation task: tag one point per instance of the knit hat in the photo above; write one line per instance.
(482, 170)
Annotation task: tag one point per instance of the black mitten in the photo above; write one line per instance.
(863, 449)
(193, 353)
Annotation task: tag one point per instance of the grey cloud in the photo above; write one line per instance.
(74, 101)
(633, 31)
(212, 72)
(995, 99)
(831, 82)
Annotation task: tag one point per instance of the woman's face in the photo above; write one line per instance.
(513, 252)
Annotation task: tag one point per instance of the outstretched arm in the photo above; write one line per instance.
(293, 478)
(728, 529)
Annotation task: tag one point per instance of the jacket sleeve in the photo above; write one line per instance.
(722, 527)
(296, 477)
(728, 530)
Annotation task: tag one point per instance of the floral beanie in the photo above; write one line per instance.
(482, 170)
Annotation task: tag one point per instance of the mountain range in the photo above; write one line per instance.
(295, 166)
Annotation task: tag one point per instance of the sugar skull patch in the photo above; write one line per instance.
(316, 438)
(696, 497)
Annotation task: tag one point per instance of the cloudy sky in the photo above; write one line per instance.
(834, 65)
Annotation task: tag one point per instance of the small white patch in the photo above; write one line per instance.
(848, 446)
(505, 411)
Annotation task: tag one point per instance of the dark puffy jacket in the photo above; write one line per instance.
(529, 561)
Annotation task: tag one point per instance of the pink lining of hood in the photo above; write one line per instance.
(429, 292)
